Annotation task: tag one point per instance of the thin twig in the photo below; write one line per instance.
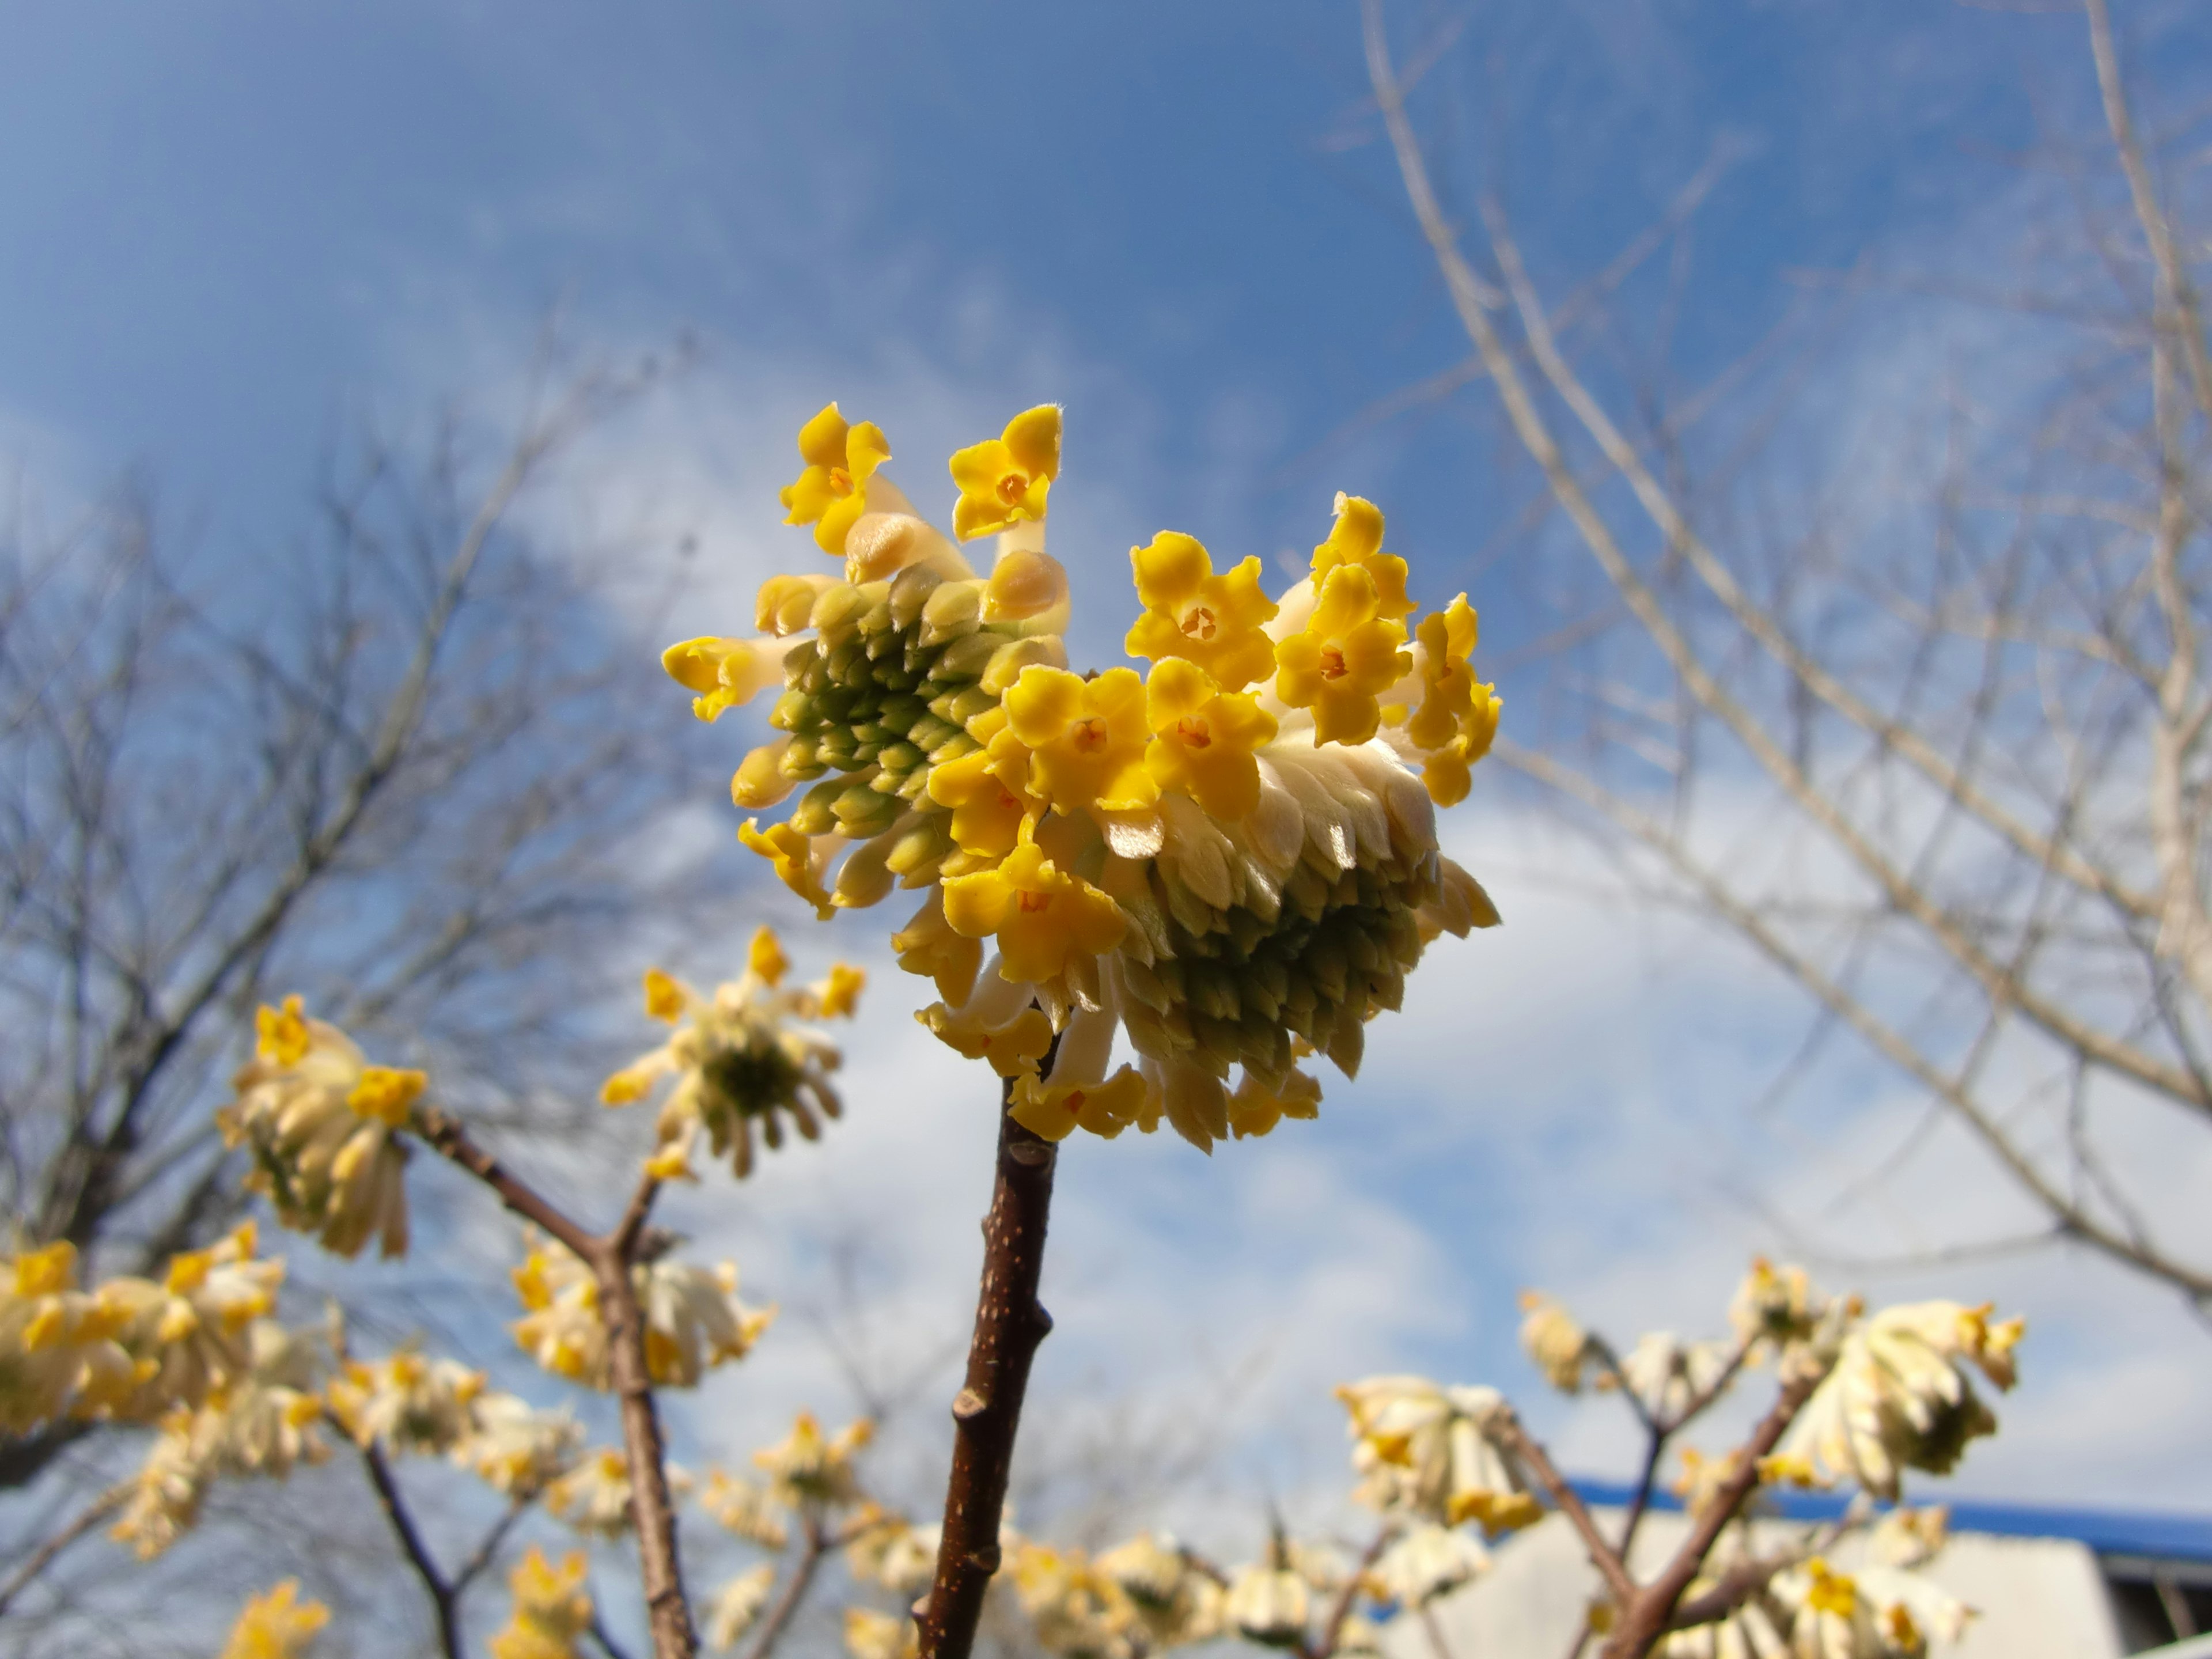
(443, 1602)
(600, 1634)
(483, 1556)
(44, 1556)
(1504, 1427)
(816, 1545)
(1010, 1323)
(651, 1506)
(1332, 1630)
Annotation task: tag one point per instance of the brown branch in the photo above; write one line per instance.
(1646, 1613)
(445, 1603)
(482, 1555)
(1009, 1325)
(651, 1507)
(1332, 1630)
(448, 1138)
(45, 1555)
(1504, 1427)
(610, 1257)
(817, 1544)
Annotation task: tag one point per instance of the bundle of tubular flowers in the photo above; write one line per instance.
(594, 1496)
(1559, 1346)
(738, 1605)
(1268, 1604)
(1230, 860)
(888, 1549)
(873, 1635)
(263, 1424)
(1076, 1611)
(551, 1613)
(1423, 1451)
(740, 1060)
(693, 1319)
(1877, 1613)
(404, 1403)
(321, 1124)
(1178, 1603)
(1666, 1374)
(189, 1333)
(1775, 1307)
(743, 1507)
(514, 1448)
(58, 1352)
(1428, 1561)
(1899, 1396)
(813, 1472)
(277, 1626)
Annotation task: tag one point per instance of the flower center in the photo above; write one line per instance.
(1200, 624)
(1192, 731)
(1090, 735)
(841, 481)
(1033, 903)
(1012, 486)
(1332, 663)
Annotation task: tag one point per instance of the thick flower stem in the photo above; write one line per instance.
(668, 1613)
(1009, 1325)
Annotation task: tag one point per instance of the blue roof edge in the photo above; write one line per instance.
(2108, 1532)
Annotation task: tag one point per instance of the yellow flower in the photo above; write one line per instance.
(1446, 639)
(1254, 1109)
(927, 945)
(766, 959)
(387, 1093)
(277, 1626)
(282, 1034)
(832, 493)
(988, 789)
(1215, 622)
(1027, 586)
(725, 674)
(1057, 1111)
(664, 1000)
(1012, 1049)
(1043, 916)
(1204, 739)
(841, 992)
(1003, 480)
(796, 866)
(552, 1611)
(1087, 739)
(1357, 539)
(1348, 656)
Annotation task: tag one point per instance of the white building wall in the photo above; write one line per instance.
(2038, 1598)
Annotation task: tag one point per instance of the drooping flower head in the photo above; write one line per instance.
(693, 1322)
(743, 1060)
(321, 1124)
(1226, 858)
(551, 1613)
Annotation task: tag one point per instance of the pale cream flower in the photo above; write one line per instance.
(514, 1448)
(807, 1470)
(406, 1403)
(738, 1605)
(192, 1326)
(1268, 1605)
(594, 1496)
(1428, 1561)
(1908, 1538)
(1898, 1396)
(58, 1351)
(1076, 1611)
(1877, 1613)
(1421, 1450)
(322, 1126)
(551, 1610)
(1178, 1603)
(872, 1635)
(693, 1319)
(1775, 1307)
(276, 1626)
(1559, 1346)
(887, 1549)
(744, 1509)
(1668, 1375)
(166, 1493)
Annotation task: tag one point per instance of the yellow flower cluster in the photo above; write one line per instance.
(134, 1348)
(693, 1319)
(277, 1626)
(322, 1124)
(740, 1059)
(1229, 858)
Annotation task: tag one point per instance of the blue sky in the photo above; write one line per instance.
(228, 227)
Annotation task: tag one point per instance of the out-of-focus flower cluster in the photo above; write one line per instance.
(1232, 858)
(693, 1319)
(275, 1625)
(742, 1059)
(132, 1349)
